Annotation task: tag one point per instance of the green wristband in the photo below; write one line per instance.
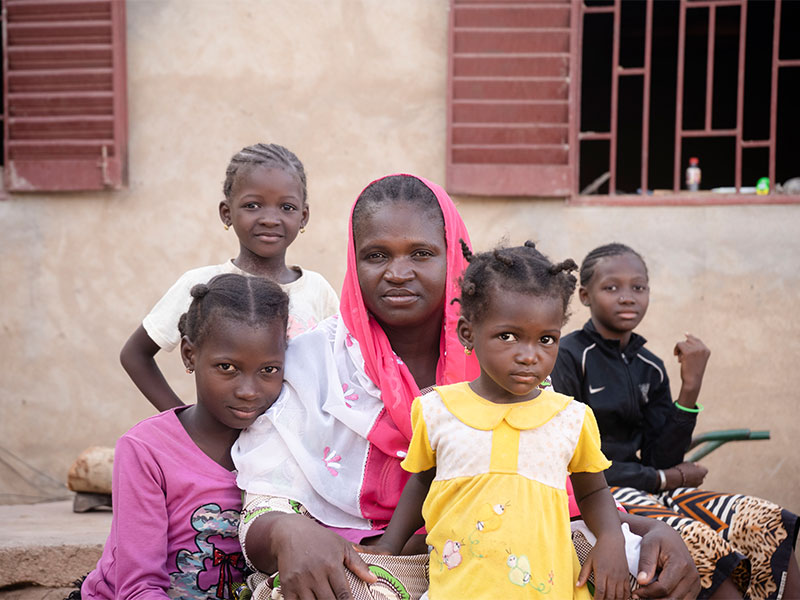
(699, 408)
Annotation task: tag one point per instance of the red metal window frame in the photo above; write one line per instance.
(618, 71)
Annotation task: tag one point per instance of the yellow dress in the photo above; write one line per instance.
(497, 514)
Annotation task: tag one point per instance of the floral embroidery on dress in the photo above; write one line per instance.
(331, 461)
(352, 396)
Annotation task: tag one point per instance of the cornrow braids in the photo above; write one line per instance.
(519, 269)
(251, 300)
(614, 249)
(268, 155)
(395, 189)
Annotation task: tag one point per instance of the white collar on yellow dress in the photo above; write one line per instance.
(479, 413)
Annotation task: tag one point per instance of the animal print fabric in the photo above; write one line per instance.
(742, 537)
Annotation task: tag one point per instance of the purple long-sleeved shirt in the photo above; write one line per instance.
(176, 516)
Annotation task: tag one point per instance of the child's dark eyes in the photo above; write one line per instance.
(610, 288)
(507, 337)
(226, 367)
(251, 205)
(271, 370)
(640, 288)
(547, 340)
(423, 253)
(289, 207)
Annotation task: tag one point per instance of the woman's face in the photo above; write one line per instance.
(402, 264)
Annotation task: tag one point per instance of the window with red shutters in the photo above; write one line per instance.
(64, 92)
(508, 122)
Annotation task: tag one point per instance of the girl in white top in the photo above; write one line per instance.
(266, 204)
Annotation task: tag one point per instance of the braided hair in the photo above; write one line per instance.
(251, 300)
(519, 269)
(395, 189)
(267, 155)
(615, 249)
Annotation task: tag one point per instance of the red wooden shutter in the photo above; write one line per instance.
(508, 98)
(64, 82)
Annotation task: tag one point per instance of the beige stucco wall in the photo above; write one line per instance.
(356, 89)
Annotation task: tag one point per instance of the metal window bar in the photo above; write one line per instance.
(709, 131)
(645, 72)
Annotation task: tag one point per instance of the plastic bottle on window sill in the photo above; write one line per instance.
(762, 186)
(693, 175)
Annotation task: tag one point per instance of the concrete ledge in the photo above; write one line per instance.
(49, 545)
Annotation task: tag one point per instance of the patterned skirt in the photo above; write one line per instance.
(747, 539)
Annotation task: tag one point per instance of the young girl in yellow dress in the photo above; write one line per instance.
(491, 457)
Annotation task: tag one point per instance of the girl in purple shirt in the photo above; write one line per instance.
(176, 505)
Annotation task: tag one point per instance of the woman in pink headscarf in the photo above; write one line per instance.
(331, 445)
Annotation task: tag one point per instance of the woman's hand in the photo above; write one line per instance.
(693, 356)
(309, 557)
(662, 552)
(611, 577)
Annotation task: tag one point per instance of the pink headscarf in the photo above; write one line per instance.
(398, 388)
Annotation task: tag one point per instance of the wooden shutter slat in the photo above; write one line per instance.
(493, 16)
(508, 98)
(55, 148)
(47, 128)
(554, 155)
(510, 134)
(61, 104)
(511, 3)
(511, 89)
(509, 40)
(524, 66)
(23, 34)
(66, 121)
(75, 56)
(70, 80)
(527, 112)
(36, 11)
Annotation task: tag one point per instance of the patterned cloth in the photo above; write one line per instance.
(728, 535)
(399, 577)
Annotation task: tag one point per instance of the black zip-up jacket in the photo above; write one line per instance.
(641, 430)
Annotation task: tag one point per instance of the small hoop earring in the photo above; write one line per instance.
(302, 230)
(467, 351)
(189, 371)
(226, 226)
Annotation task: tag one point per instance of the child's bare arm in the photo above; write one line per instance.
(407, 517)
(693, 356)
(607, 558)
(137, 360)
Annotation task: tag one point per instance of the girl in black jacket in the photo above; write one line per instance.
(645, 434)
